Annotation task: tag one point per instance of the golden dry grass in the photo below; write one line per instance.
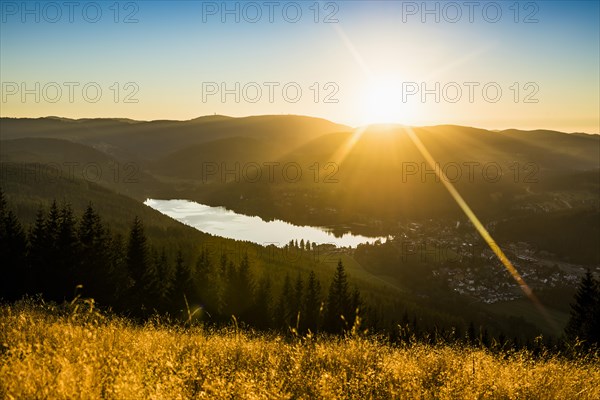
(81, 355)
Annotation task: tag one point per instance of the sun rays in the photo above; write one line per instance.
(384, 106)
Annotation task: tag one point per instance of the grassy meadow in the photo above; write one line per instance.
(75, 352)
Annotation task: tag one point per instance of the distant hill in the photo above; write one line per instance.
(70, 160)
(37, 185)
(149, 140)
(189, 162)
(368, 180)
(382, 174)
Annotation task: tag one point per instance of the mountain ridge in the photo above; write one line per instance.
(219, 118)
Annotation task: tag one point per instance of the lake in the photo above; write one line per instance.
(226, 223)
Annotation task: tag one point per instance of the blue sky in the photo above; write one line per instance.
(365, 57)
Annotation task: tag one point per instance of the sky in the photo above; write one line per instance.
(495, 65)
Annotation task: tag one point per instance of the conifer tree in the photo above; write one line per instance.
(261, 310)
(94, 267)
(338, 302)
(163, 284)
(230, 305)
(209, 283)
(283, 309)
(68, 249)
(137, 252)
(312, 303)
(182, 282)
(584, 322)
(122, 283)
(12, 253)
(296, 302)
(37, 254)
(52, 285)
(245, 278)
(140, 268)
(245, 288)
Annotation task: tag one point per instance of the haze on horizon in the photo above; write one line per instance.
(530, 66)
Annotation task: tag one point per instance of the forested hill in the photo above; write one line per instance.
(536, 191)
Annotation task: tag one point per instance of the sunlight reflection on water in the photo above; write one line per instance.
(226, 223)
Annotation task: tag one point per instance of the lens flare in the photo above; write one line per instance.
(341, 154)
(480, 228)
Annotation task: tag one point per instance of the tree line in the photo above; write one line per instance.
(62, 256)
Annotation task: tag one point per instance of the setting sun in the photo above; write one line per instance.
(383, 103)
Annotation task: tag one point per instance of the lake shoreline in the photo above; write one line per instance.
(226, 223)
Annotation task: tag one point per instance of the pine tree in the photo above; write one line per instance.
(296, 303)
(245, 288)
(52, 280)
(67, 247)
(94, 267)
(137, 252)
(282, 310)
(52, 221)
(140, 268)
(163, 285)
(230, 304)
(245, 278)
(150, 286)
(37, 254)
(122, 283)
(312, 303)
(13, 245)
(239, 290)
(209, 283)
(45, 258)
(338, 302)
(261, 309)
(584, 322)
(182, 282)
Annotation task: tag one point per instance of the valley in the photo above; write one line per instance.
(258, 166)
